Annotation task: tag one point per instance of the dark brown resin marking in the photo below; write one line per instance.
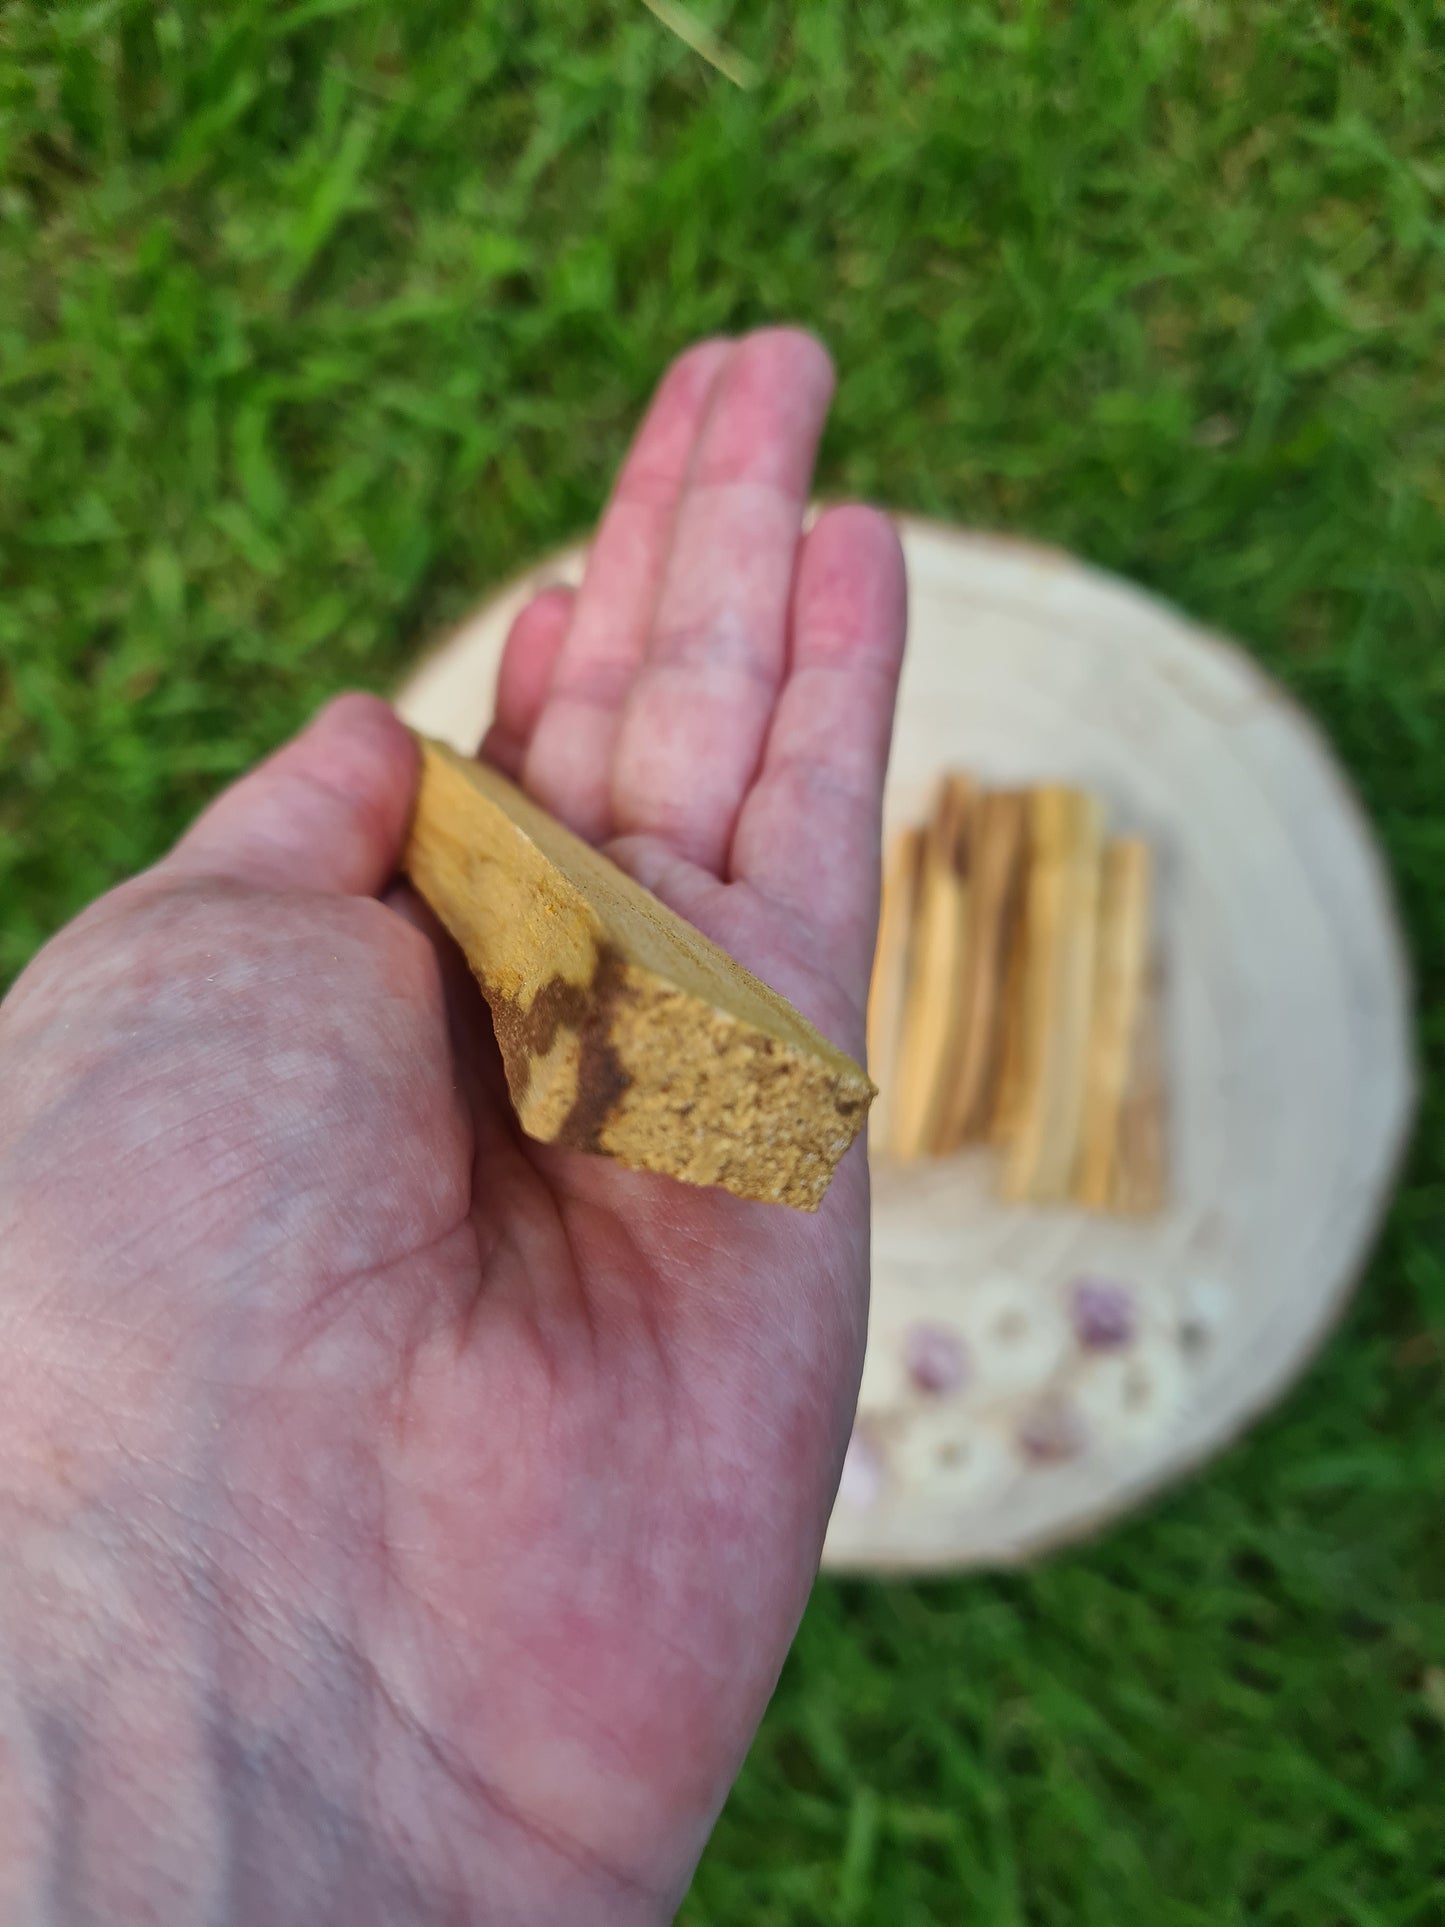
(525, 1035)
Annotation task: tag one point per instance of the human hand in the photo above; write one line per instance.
(404, 1520)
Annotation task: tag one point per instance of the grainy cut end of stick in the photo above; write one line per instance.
(1062, 921)
(623, 1030)
(995, 906)
(932, 1002)
(888, 991)
(1125, 908)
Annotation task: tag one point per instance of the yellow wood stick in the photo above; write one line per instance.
(1125, 908)
(623, 1030)
(995, 902)
(1062, 918)
(932, 1002)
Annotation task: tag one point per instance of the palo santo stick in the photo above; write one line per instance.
(1008, 1096)
(888, 991)
(995, 901)
(932, 1008)
(1139, 1185)
(1125, 896)
(1062, 915)
(622, 1029)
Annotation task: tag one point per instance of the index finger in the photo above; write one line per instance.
(569, 761)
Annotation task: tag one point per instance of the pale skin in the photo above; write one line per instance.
(403, 1521)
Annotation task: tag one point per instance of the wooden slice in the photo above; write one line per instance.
(1034, 1371)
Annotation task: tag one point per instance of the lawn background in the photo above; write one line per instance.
(316, 318)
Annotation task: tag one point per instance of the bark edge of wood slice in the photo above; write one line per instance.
(1031, 1372)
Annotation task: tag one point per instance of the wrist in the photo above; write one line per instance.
(155, 1763)
(105, 1748)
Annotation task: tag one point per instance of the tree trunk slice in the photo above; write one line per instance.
(1033, 1372)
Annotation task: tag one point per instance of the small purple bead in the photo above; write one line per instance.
(1103, 1315)
(936, 1359)
(1051, 1433)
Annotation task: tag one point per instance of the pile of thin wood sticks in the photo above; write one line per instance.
(1014, 1000)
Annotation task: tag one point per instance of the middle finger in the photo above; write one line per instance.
(697, 714)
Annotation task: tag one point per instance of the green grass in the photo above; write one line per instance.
(316, 318)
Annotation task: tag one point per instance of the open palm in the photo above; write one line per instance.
(431, 1508)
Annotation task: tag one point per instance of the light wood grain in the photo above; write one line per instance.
(1116, 1065)
(931, 1009)
(623, 1030)
(1060, 933)
(996, 901)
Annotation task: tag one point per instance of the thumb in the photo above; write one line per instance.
(328, 812)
